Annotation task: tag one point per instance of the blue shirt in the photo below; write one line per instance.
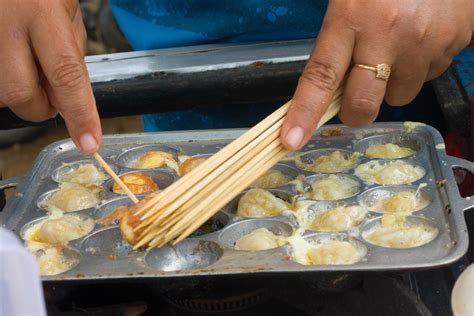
(151, 24)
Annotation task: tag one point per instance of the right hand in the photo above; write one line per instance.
(43, 69)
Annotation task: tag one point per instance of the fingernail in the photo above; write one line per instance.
(88, 143)
(295, 136)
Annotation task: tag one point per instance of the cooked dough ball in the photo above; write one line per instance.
(397, 232)
(325, 252)
(138, 183)
(388, 151)
(85, 174)
(271, 179)
(51, 259)
(259, 239)
(155, 159)
(260, 203)
(389, 173)
(333, 187)
(334, 162)
(72, 197)
(401, 202)
(65, 228)
(190, 164)
(339, 219)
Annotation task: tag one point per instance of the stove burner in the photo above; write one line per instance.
(219, 305)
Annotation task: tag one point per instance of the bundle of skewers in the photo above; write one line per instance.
(176, 212)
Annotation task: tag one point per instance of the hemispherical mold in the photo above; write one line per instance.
(214, 224)
(363, 172)
(234, 232)
(29, 230)
(370, 198)
(324, 238)
(427, 232)
(354, 187)
(232, 207)
(42, 202)
(69, 167)
(107, 243)
(400, 139)
(162, 178)
(307, 211)
(189, 254)
(306, 159)
(289, 172)
(182, 162)
(127, 158)
(54, 260)
(111, 205)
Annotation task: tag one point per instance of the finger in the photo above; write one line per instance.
(407, 81)
(63, 66)
(321, 77)
(363, 92)
(19, 86)
(80, 33)
(438, 68)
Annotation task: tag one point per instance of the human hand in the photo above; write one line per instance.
(43, 69)
(418, 39)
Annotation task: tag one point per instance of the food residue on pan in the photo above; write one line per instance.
(398, 232)
(71, 197)
(259, 239)
(86, 174)
(390, 172)
(138, 183)
(388, 151)
(334, 162)
(261, 203)
(156, 159)
(333, 187)
(440, 146)
(411, 126)
(331, 132)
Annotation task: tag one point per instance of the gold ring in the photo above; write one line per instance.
(382, 71)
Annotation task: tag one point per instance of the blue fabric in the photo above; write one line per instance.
(151, 24)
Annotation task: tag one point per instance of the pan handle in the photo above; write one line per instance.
(10, 183)
(467, 165)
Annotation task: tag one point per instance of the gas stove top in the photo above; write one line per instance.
(418, 293)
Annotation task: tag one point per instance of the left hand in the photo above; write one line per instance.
(418, 39)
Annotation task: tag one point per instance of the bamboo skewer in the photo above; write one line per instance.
(114, 176)
(227, 169)
(212, 162)
(218, 171)
(176, 212)
(230, 184)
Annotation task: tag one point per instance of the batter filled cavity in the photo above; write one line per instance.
(389, 172)
(261, 203)
(259, 239)
(394, 231)
(388, 151)
(333, 187)
(325, 251)
(332, 162)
